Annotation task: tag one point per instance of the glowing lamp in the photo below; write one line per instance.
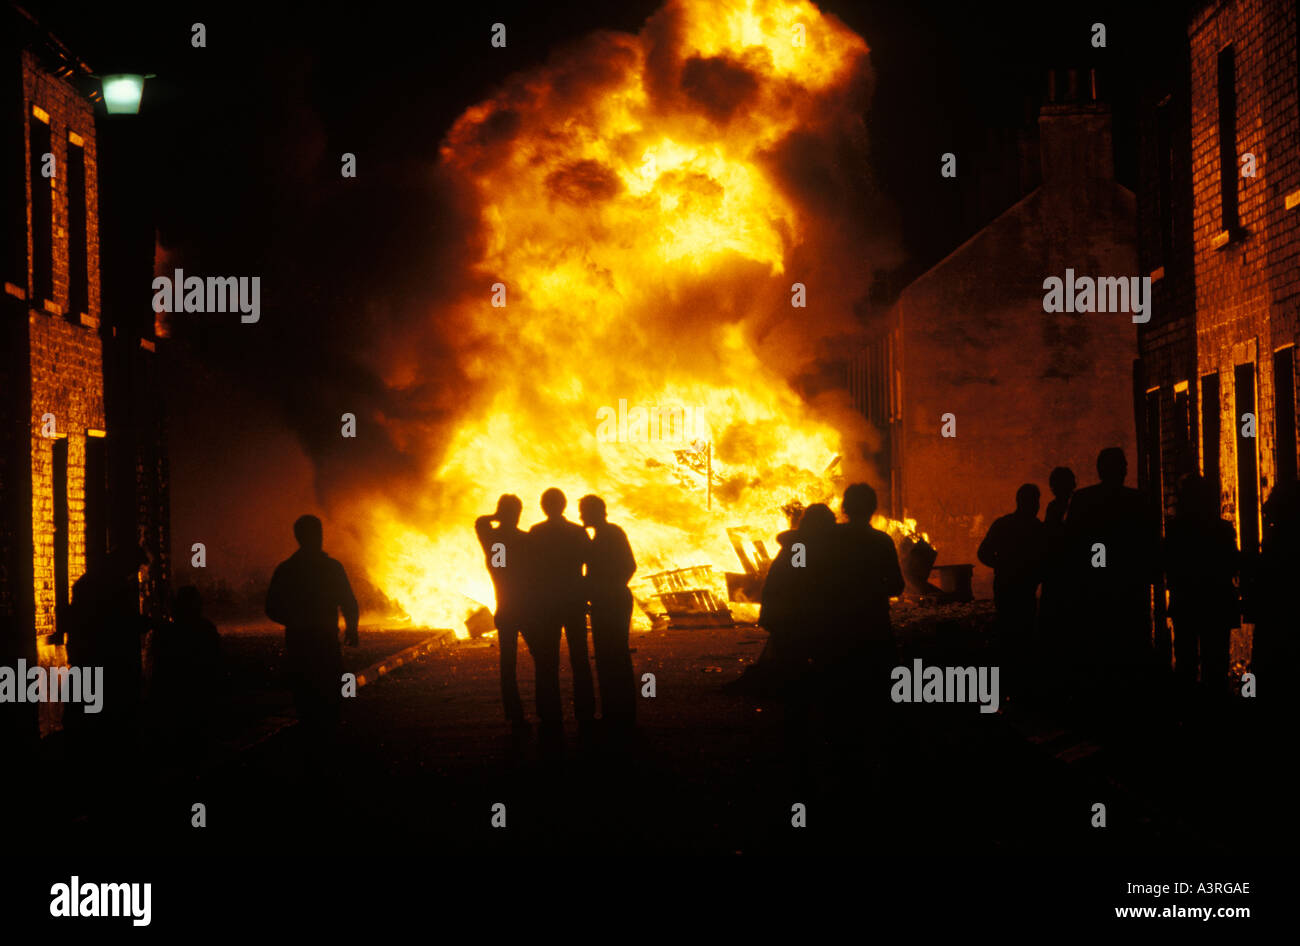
(122, 93)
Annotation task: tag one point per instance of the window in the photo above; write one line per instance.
(1228, 139)
(42, 215)
(1284, 413)
(1210, 432)
(1165, 171)
(78, 274)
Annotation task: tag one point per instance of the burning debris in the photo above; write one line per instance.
(747, 586)
(916, 557)
(688, 599)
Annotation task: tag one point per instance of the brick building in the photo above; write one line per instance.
(1028, 390)
(1223, 243)
(82, 463)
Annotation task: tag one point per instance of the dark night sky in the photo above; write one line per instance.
(246, 136)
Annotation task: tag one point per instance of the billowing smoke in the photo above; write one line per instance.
(640, 210)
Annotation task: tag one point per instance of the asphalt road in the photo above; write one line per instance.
(425, 758)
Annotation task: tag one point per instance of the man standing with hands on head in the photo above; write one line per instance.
(503, 543)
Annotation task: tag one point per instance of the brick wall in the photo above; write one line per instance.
(66, 382)
(66, 369)
(1246, 288)
(1281, 96)
(69, 112)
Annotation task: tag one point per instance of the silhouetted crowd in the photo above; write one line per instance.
(176, 703)
(830, 650)
(1104, 568)
(548, 581)
(173, 704)
(1082, 593)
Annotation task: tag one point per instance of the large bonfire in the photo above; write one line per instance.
(644, 214)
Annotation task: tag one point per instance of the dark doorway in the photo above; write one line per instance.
(1284, 401)
(1154, 477)
(1184, 444)
(60, 486)
(1210, 432)
(1247, 460)
(96, 501)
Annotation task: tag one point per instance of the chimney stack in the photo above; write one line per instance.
(1074, 131)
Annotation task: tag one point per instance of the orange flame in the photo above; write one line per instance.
(631, 206)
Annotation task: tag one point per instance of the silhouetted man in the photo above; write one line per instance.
(610, 566)
(870, 576)
(307, 592)
(1274, 649)
(504, 546)
(862, 653)
(106, 629)
(559, 549)
(1114, 556)
(1062, 483)
(186, 666)
(1014, 548)
(778, 610)
(1056, 604)
(800, 611)
(1201, 562)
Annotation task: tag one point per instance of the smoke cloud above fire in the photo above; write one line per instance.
(627, 225)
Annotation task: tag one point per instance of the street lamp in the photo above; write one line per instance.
(126, 269)
(122, 92)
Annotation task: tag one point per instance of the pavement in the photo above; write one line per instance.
(426, 765)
